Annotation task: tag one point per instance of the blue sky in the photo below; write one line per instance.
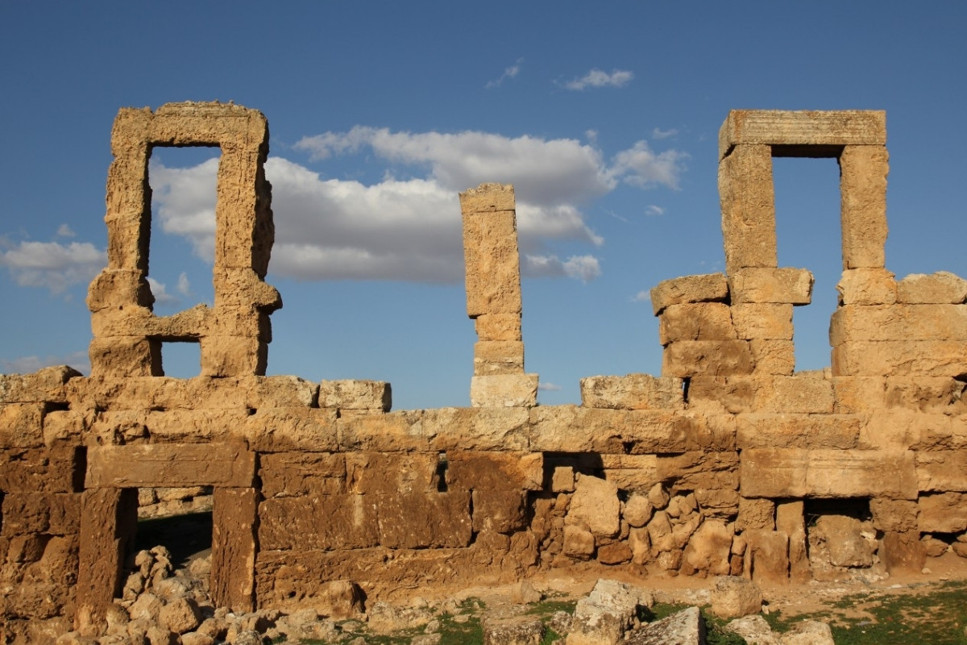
(604, 115)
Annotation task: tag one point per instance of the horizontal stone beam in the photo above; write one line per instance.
(169, 465)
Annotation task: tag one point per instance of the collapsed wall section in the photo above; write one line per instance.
(730, 462)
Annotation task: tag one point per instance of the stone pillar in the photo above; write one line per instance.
(234, 548)
(748, 208)
(494, 298)
(863, 171)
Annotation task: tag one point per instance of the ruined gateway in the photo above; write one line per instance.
(711, 468)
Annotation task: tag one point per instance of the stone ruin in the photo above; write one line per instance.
(730, 462)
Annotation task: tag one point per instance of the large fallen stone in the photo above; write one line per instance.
(603, 617)
(754, 629)
(808, 632)
(684, 628)
(520, 630)
(735, 597)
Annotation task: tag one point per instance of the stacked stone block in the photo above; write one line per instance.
(492, 265)
(234, 335)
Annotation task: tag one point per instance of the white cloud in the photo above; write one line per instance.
(581, 267)
(28, 364)
(65, 231)
(53, 265)
(410, 229)
(184, 286)
(549, 387)
(653, 209)
(510, 72)
(640, 166)
(600, 78)
(658, 133)
(642, 296)
(160, 293)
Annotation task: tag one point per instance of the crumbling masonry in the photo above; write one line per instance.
(729, 462)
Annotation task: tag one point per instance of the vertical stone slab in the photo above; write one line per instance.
(234, 548)
(748, 208)
(108, 523)
(863, 171)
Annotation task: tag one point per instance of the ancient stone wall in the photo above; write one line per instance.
(730, 462)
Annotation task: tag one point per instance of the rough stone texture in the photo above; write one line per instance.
(686, 627)
(513, 631)
(709, 468)
(603, 617)
(734, 597)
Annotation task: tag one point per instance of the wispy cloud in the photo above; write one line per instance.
(510, 72)
(27, 364)
(642, 296)
(599, 78)
(652, 209)
(580, 267)
(549, 387)
(65, 231)
(52, 265)
(658, 133)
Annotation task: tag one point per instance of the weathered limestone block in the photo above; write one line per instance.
(899, 516)
(578, 542)
(22, 425)
(711, 287)
(779, 473)
(631, 472)
(939, 471)
(637, 510)
(149, 465)
(356, 395)
(729, 394)
(942, 287)
(747, 196)
(520, 630)
(499, 482)
(318, 521)
(863, 171)
(766, 321)
(767, 285)
(943, 513)
(802, 393)
(867, 286)
(734, 597)
(708, 549)
(899, 358)
(707, 357)
(223, 356)
(845, 541)
(773, 356)
(756, 514)
(498, 357)
(790, 520)
(801, 128)
(44, 385)
(858, 394)
(476, 428)
(937, 394)
(567, 428)
(503, 390)
(902, 551)
(57, 470)
(108, 520)
(767, 556)
(603, 616)
(234, 514)
(632, 392)
(293, 474)
(490, 250)
(400, 430)
(498, 327)
(285, 429)
(595, 506)
(805, 431)
(685, 626)
(695, 321)
(700, 470)
(898, 322)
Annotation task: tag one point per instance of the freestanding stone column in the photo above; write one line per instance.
(493, 298)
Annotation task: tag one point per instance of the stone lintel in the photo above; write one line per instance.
(169, 465)
(833, 128)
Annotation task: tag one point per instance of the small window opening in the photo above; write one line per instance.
(181, 359)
